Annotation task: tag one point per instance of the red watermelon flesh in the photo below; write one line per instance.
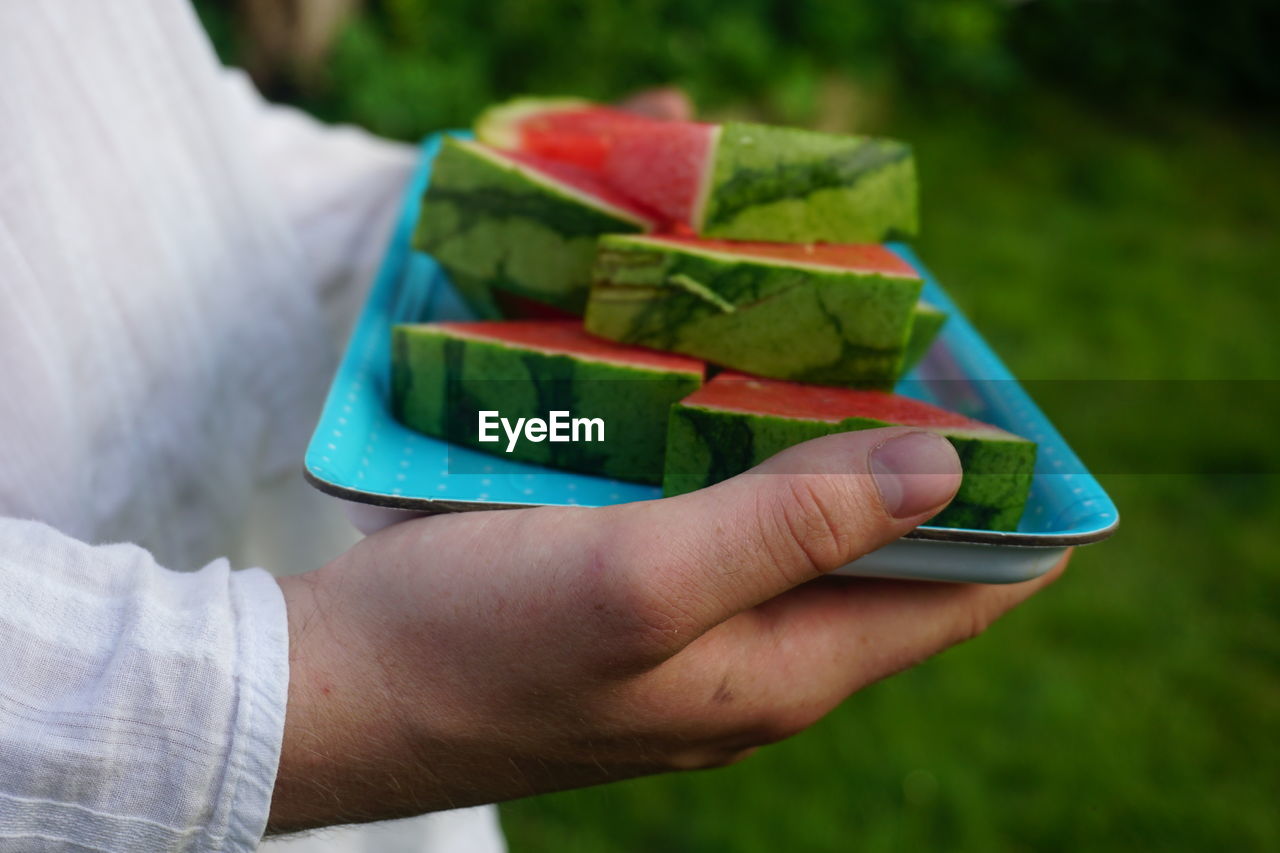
(567, 337)
(662, 164)
(584, 180)
(581, 136)
(657, 162)
(738, 392)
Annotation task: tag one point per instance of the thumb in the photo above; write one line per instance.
(700, 558)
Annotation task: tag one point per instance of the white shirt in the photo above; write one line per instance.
(175, 260)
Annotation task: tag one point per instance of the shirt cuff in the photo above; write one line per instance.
(263, 693)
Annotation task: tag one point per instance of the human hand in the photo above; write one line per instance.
(666, 102)
(477, 657)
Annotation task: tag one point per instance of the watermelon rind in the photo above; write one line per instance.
(927, 323)
(499, 125)
(495, 224)
(797, 186)
(442, 378)
(706, 445)
(768, 317)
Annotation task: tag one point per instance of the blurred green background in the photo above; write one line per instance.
(1101, 185)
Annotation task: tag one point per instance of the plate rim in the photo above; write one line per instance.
(964, 536)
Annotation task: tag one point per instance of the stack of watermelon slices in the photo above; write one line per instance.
(747, 247)
(515, 217)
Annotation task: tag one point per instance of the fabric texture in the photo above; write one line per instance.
(177, 259)
(144, 708)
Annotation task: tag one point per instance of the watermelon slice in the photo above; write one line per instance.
(444, 374)
(503, 223)
(735, 422)
(755, 182)
(928, 322)
(736, 181)
(834, 314)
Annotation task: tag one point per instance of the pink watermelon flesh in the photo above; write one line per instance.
(582, 137)
(583, 180)
(738, 392)
(858, 257)
(658, 163)
(567, 337)
(661, 164)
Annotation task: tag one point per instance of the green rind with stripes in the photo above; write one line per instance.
(492, 227)
(705, 446)
(925, 326)
(798, 186)
(787, 322)
(440, 383)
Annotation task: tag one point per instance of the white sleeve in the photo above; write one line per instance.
(140, 708)
(340, 187)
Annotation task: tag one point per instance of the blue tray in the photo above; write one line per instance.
(360, 453)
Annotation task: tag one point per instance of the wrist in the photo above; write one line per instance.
(343, 725)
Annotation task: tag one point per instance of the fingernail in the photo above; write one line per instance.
(914, 472)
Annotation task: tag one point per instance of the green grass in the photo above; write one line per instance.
(1136, 704)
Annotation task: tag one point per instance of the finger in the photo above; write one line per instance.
(773, 671)
(698, 559)
(667, 102)
(807, 650)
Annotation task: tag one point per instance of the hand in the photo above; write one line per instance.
(667, 102)
(477, 657)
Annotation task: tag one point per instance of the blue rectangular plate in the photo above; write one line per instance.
(361, 454)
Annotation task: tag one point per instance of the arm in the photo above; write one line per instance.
(478, 657)
(341, 189)
(140, 709)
